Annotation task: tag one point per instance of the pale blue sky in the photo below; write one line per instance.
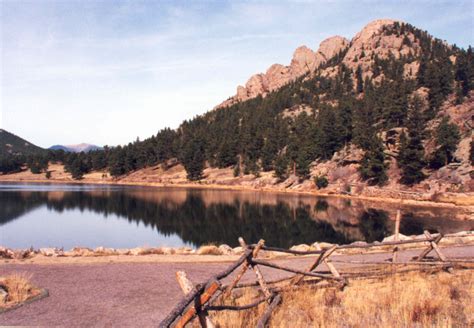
(105, 72)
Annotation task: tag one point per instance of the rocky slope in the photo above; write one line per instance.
(304, 61)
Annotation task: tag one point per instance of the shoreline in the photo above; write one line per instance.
(314, 193)
(212, 253)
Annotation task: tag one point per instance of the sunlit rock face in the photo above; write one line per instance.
(304, 61)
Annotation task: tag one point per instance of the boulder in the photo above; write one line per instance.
(123, 251)
(184, 250)
(6, 253)
(237, 250)
(3, 294)
(323, 245)
(167, 250)
(359, 243)
(21, 254)
(80, 251)
(225, 249)
(392, 238)
(105, 251)
(301, 248)
(55, 252)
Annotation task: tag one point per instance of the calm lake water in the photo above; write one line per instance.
(123, 217)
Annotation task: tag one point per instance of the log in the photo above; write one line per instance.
(187, 286)
(268, 311)
(387, 243)
(289, 251)
(430, 247)
(181, 306)
(326, 261)
(284, 268)
(210, 290)
(255, 269)
(435, 247)
(233, 266)
(298, 278)
(183, 281)
(392, 263)
(259, 300)
(245, 266)
(255, 283)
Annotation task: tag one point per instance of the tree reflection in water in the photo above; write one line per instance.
(197, 221)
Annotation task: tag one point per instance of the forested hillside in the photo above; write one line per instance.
(394, 103)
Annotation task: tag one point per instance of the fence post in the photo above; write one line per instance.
(255, 268)
(397, 236)
(322, 258)
(187, 286)
(208, 292)
(245, 265)
(433, 244)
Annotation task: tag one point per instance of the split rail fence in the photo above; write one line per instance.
(198, 300)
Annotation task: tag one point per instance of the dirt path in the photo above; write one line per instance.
(129, 294)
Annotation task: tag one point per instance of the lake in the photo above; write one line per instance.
(55, 215)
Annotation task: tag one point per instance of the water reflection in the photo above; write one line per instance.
(213, 216)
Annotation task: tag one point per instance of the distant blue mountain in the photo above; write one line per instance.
(83, 147)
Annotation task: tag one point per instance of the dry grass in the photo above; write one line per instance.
(408, 300)
(209, 250)
(19, 288)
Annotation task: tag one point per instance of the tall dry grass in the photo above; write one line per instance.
(411, 300)
(18, 286)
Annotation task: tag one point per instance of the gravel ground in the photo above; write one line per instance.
(130, 294)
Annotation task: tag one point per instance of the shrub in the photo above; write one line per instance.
(321, 181)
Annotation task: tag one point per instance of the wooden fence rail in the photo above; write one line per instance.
(198, 299)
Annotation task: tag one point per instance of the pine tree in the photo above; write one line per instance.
(117, 162)
(447, 139)
(193, 158)
(471, 153)
(411, 157)
(360, 80)
(281, 167)
(372, 167)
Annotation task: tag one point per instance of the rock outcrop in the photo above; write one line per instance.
(304, 61)
(374, 40)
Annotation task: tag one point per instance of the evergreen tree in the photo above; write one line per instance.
(77, 168)
(281, 167)
(447, 139)
(360, 80)
(471, 153)
(117, 162)
(37, 163)
(411, 157)
(372, 167)
(464, 74)
(193, 158)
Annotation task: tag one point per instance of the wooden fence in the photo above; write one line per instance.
(198, 299)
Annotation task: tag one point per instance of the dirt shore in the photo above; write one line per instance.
(459, 201)
(133, 294)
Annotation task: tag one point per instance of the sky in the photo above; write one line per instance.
(106, 72)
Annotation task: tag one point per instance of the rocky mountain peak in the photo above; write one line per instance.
(331, 46)
(304, 60)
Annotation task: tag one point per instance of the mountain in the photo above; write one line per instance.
(83, 147)
(304, 61)
(11, 144)
(387, 112)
